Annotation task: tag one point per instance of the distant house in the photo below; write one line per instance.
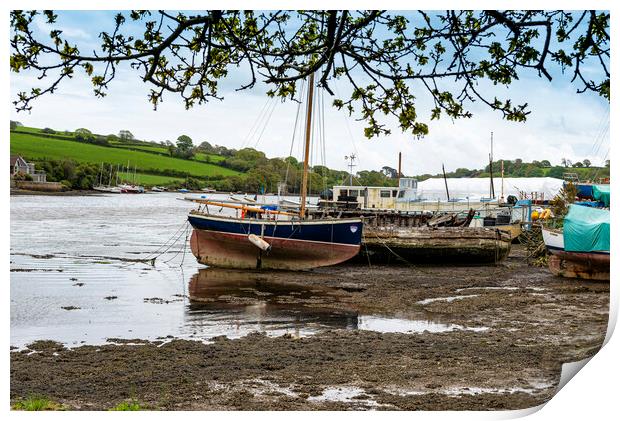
(20, 166)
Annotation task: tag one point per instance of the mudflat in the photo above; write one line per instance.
(486, 337)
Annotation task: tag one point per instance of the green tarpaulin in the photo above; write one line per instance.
(586, 229)
(600, 192)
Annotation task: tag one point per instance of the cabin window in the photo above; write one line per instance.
(386, 193)
(394, 193)
(401, 193)
(354, 193)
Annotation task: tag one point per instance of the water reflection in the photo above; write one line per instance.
(236, 302)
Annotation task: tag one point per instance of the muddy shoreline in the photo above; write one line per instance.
(517, 326)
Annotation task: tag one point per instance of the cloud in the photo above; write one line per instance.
(67, 31)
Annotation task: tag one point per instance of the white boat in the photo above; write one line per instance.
(130, 188)
(554, 239)
(107, 189)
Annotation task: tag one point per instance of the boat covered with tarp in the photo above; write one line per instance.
(582, 248)
(601, 193)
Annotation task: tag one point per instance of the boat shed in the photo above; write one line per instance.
(540, 188)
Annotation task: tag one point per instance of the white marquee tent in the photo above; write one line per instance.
(476, 188)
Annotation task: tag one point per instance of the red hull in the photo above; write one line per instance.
(592, 266)
(220, 249)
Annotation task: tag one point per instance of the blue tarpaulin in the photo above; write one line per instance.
(590, 204)
(586, 229)
(584, 190)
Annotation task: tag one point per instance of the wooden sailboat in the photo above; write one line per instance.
(268, 238)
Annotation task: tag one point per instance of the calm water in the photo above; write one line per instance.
(72, 279)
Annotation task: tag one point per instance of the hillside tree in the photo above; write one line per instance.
(184, 147)
(125, 135)
(383, 60)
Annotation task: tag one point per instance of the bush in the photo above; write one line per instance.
(48, 131)
(36, 403)
(127, 406)
(20, 176)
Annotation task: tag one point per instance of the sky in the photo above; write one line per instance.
(563, 124)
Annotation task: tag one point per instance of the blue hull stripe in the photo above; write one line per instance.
(340, 233)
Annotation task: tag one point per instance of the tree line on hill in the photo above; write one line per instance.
(262, 174)
(518, 168)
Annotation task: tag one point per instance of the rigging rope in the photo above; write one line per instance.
(256, 123)
(260, 136)
(301, 95)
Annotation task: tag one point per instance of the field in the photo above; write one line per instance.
(36, 147)
(149, 179)
(200, 156)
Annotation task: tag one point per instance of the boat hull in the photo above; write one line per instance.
(571, 264)
(226, 250)
(590, 266)
(225, 242)
(442, 245)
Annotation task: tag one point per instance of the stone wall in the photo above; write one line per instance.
(31, 185)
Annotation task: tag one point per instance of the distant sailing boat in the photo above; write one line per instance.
(106, 188)
(267, 238)
(131, 188)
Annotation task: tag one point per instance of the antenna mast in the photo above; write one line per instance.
(350, 158)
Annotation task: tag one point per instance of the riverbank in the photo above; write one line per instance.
(22, 192)
(442, 338)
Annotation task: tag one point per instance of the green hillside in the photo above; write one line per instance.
(149, 179)
(35, 147)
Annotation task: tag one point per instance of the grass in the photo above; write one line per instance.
(143, 146)
(127, 406)
(36, 403)
(35, 147)
(148, 148)
(150, 179)
(200, 156)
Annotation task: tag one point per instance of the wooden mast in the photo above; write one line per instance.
(304, 180)
(445, 180)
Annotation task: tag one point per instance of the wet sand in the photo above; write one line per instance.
(509, 330)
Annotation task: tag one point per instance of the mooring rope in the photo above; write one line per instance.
(186, 233)
(153, 256)
(365, 247)
(398, 256)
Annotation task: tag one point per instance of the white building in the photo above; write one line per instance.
(539, 188)
(20, 166)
